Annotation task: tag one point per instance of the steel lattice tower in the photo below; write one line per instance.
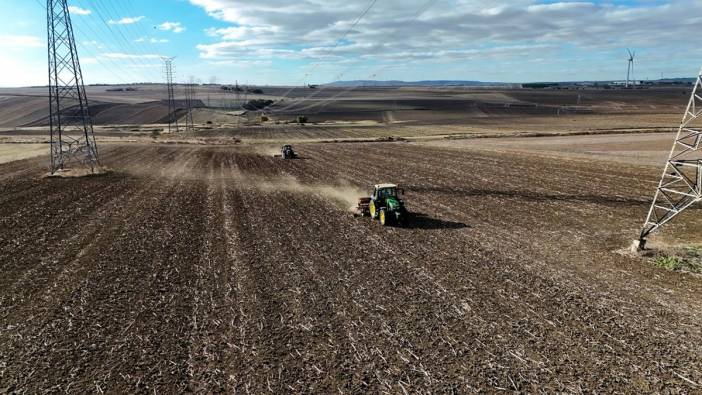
(172, 116)
(72, 138)
(189, 97)
(681, 183)
(237, 90)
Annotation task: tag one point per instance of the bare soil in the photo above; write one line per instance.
(650, 149)
(504, 110)
(208, 269)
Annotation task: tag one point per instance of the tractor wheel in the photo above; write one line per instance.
(373, 212)
(383, 218)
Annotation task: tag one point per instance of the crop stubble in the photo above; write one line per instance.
(187, 269)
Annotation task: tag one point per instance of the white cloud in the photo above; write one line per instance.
(151, 40)
(78, 11)
(88, 60)
(145, 66)
(126, 20)
(119, 56)
(20, 41)
(175, 27)
(448, 29)
(241, 63)
(239, 32)
(92, 43)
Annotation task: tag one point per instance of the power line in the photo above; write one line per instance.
(127, 47)
(130, 9)
(99, 5)
(140, 38)
(338, 41)
(102, 60)
(107, 64)
(424, 8)
(114, 41)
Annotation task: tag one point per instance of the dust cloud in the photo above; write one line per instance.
(267, 150)
(343, 194)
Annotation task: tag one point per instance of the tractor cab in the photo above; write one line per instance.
(384, 191)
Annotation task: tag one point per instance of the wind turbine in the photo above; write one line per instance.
(630, 68)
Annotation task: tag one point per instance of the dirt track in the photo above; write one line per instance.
(187, 269)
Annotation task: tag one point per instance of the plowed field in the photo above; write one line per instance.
(195, 268)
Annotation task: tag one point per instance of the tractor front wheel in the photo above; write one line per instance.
(383, 218)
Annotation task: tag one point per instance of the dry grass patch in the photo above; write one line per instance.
(13, 152)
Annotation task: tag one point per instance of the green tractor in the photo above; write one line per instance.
(385, 205)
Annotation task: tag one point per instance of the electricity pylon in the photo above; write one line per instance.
(168, 73)
(237, 91)
(71, 127)
(681, 183)
(189, 97)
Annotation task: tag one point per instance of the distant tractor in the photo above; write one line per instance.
(287, 152)
(385, 205)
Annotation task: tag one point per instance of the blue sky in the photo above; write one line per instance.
(316, 41)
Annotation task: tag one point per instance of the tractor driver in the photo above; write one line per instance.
(385, 193)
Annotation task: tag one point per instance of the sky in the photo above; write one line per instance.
(278, 42)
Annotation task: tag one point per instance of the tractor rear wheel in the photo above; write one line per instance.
(372, 210)
(383, 217)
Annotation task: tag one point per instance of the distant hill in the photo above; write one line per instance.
(677, 80)
(445, 83)
(417, 83)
